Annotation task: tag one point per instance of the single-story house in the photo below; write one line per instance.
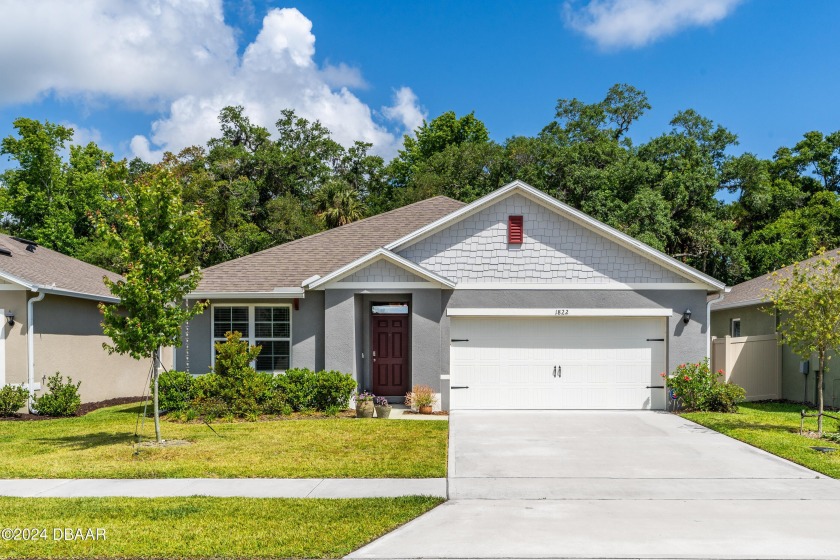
(51, 322)
(745, 344)
(513, 301)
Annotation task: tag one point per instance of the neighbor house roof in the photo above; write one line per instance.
(754, 292)
(284, 267)
(45, 270)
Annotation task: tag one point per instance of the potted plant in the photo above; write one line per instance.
(364, 404)
(382, 406)
(422, 398)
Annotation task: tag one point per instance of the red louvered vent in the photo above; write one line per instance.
(515, 230)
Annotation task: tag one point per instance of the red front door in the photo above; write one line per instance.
(389, 354)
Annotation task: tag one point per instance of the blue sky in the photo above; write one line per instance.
(140, 77)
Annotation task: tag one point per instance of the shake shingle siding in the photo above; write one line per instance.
(554, 250)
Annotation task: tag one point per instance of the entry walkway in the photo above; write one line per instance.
(225, 487)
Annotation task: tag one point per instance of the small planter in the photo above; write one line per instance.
(383, 411)
(425, 409)
(364, 409)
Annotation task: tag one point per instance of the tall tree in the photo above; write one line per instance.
(159, 241)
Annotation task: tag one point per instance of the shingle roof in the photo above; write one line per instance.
(755, 291)
(289, 264)
(49, 269)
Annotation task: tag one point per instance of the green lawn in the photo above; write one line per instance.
(101, 445)
(205, 527)
(774, 427)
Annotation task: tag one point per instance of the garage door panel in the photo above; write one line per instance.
(605, 363)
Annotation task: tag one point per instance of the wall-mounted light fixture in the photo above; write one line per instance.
(10, 318)
(686, 316)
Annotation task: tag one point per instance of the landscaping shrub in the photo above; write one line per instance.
(698, 388)
(12, 399)
(175, 390)
(236, 383)
(725, 397)
(63, 398)
(297, 386)
(304, 389)
(332, 390)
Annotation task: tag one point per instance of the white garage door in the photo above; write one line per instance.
(557, 363)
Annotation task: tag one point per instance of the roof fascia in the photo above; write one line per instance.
(576, 216)
(15, 280)
(72, 293)
(280, 293)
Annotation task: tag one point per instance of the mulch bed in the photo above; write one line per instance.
(84, 409)
(436, 413)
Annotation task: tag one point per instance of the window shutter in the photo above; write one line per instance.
(515, 230)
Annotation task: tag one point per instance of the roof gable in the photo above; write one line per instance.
(600, 262)
(285, 267)
(379, 267)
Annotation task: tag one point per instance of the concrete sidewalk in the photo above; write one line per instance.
(225, 487)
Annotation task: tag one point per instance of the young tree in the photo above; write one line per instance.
(809, 302)
(159, 241)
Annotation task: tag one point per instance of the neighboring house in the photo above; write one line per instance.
(48, 305)
(745, 346)
(513, 301)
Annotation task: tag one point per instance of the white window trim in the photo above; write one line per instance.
(251, 330)
(732, 327)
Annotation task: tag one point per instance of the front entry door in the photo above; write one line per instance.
(389, 354)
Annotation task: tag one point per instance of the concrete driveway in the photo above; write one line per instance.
(571, 484)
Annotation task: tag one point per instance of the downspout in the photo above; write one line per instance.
(30, 346)
(709, 322)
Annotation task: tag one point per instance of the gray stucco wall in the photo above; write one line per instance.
(347, 333)
(686, 343)
(754, 321)
(555, 249)
(307, 334)
(68, 339)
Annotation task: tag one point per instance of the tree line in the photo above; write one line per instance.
(259, 188)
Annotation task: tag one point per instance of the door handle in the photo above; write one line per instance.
(559, 371)
(554, 373)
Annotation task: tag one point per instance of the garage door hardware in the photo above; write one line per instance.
(655, 387)
(558, 371)
(655, 339)
(460, 387)
(459, 340)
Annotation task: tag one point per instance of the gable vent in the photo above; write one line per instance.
(515, 230)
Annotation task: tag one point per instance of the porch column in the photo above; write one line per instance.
(340, 331)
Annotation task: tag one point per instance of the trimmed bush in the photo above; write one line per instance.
(12, 399)
(305, 389)
(175, 390)
(63, 398)
(725, 397)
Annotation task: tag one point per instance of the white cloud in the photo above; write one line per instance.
(615, 24)
(406, 109)
(133, 51)
(181, 57)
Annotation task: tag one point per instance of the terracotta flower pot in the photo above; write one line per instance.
(383, 411)
(364, 409)
(426, 409)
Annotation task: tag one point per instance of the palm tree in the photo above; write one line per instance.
(338, 204)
